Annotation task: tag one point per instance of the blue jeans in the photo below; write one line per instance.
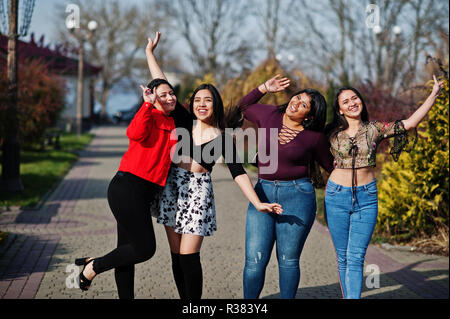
(289, 230)
(351, 224)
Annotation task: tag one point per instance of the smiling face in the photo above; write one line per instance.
(165, 98)
(299, 107)
(350, 105)
(203, 105)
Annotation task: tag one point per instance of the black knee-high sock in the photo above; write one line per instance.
(178, 275)
(193, 277)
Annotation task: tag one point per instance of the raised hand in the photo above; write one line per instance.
(147, 95)
(151, 45)
(437, 87)
(276, 84)
(269, 208)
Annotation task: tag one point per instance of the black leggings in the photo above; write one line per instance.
(129, 198)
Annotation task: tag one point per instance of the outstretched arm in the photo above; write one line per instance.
(247, 188)
(422, 111)
(153, 66)
(248, 104)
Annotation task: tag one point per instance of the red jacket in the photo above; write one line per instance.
(148, 155)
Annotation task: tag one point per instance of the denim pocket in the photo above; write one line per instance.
(371, 190)
(331, 189)
(305, 187)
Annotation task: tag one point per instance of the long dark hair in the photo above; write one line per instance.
(339, 122)
(318, 110)
(218, 113)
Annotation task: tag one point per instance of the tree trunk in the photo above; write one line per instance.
(103, 101)
(11, 148)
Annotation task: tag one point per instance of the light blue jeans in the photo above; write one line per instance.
(351, 222)
(289, 230)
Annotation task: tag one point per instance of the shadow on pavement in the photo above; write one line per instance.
(408, 281)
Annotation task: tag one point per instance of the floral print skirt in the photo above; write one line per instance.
(187, 203)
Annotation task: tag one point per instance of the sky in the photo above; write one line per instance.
(43, 23)
(45, 17)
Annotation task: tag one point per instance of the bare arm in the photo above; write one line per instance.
(247, 188)
(422, 111)
(153, 66)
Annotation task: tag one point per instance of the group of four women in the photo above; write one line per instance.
(174, 183)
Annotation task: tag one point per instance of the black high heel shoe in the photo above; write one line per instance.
(84, 283)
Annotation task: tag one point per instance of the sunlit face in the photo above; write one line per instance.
(299, 107)
(203, 105)
(350, 105)
(165, 98)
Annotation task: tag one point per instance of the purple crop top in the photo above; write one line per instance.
(293, 157)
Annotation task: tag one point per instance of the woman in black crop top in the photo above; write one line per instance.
(186, 207)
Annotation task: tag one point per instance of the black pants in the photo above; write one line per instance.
(129, 198)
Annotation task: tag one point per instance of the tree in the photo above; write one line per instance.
(414, 192)
(119, 42)
(40, 101)
(340, 44)
(236, 88)
(213, 32)
(269, 19)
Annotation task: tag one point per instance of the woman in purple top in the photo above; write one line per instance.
(283, 179)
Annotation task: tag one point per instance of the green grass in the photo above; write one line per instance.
(320, 216)
(41, 170)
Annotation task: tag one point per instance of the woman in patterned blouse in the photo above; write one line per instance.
(351, 202)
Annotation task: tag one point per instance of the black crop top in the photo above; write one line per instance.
(208, 153)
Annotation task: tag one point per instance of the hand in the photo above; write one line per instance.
(151, 45)
(437, 87)
(269, 208)
(276, 84)
(148, 95)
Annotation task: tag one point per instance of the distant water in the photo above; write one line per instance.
(118, 101)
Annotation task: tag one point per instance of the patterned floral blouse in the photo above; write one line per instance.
(360, 150)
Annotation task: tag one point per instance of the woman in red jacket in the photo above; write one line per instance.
(141, 176)
(187, 207)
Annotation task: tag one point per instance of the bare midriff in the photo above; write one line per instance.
(189, 164)
(343, 176)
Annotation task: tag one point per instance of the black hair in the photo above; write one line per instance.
(153, 84)
(218, 112)
(339, 123)
(318, 110)
(157, 82)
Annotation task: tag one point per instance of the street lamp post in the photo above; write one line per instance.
(81, 37)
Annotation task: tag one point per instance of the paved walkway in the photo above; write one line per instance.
(75, 221)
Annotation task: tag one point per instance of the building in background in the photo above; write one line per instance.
(59, 62)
